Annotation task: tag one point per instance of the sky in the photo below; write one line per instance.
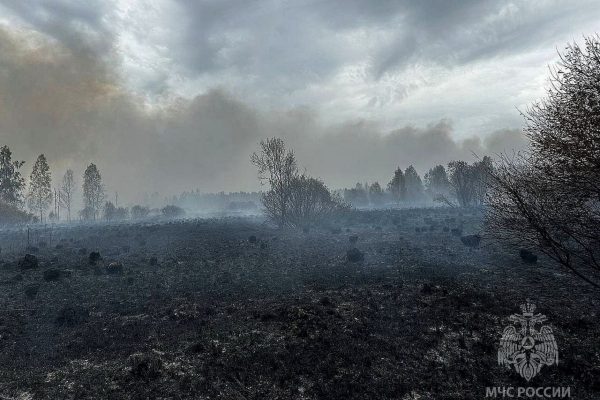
(175, 95)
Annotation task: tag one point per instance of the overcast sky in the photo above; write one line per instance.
(374, 69)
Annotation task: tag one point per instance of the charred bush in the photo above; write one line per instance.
(29, 261)
(146, 367)
(32, 290)
(72, 316)
(52, 274)
(94, 257)
(114, 268)
(355, 255)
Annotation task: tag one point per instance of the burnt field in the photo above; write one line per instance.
(234, 309)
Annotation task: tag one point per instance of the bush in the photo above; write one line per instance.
(355, 255)
(10, 214)
(471, 240)
(139, 212)
(311, 202)
(172, 211)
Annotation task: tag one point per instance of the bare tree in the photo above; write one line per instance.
(461, 182)
(40, 191)
(277, 167)
(66, 192)
(548, 198)
(481, 172)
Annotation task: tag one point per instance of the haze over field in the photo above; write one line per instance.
(170, 96)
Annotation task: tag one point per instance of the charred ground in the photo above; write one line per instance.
(234, 309)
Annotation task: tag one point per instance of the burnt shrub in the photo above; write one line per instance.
(94, 257)
(29, 261)
(52, 274)
(72, 316)
(527, 256)
(146, 367)
(355, 255)
(353, 239)
(114, 268)
(32, 290)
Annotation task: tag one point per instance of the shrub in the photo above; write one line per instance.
(10, 214)
(172, 211)
(139, 212)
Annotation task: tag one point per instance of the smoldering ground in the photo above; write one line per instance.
(71, 104)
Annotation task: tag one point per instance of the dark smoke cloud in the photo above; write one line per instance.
(62, 102)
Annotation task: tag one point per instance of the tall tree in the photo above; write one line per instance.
(11, 181)
(40, 191)
(397, 186)
(462, 180)
(93, 191)
(376, 194)
(414, 185)
(67, 189)
(436, 182)
(277, 167)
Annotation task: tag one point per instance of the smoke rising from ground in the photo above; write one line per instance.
(71, 106)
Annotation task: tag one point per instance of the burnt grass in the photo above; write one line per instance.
(235, 309)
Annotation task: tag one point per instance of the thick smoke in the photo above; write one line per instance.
(72, 107)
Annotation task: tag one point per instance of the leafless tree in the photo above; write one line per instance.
(67, 189)
(549, 197)
(461, 182)
(293, 199)
(277, 167)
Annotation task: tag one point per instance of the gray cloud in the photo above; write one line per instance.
(394, 61)
(80, 26)
(73, 109)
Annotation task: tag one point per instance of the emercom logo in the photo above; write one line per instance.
(526, 348)
(526, 345)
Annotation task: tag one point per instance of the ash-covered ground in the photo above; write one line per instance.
(235, 309)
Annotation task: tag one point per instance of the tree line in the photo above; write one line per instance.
(39, 196)
(460, 184)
